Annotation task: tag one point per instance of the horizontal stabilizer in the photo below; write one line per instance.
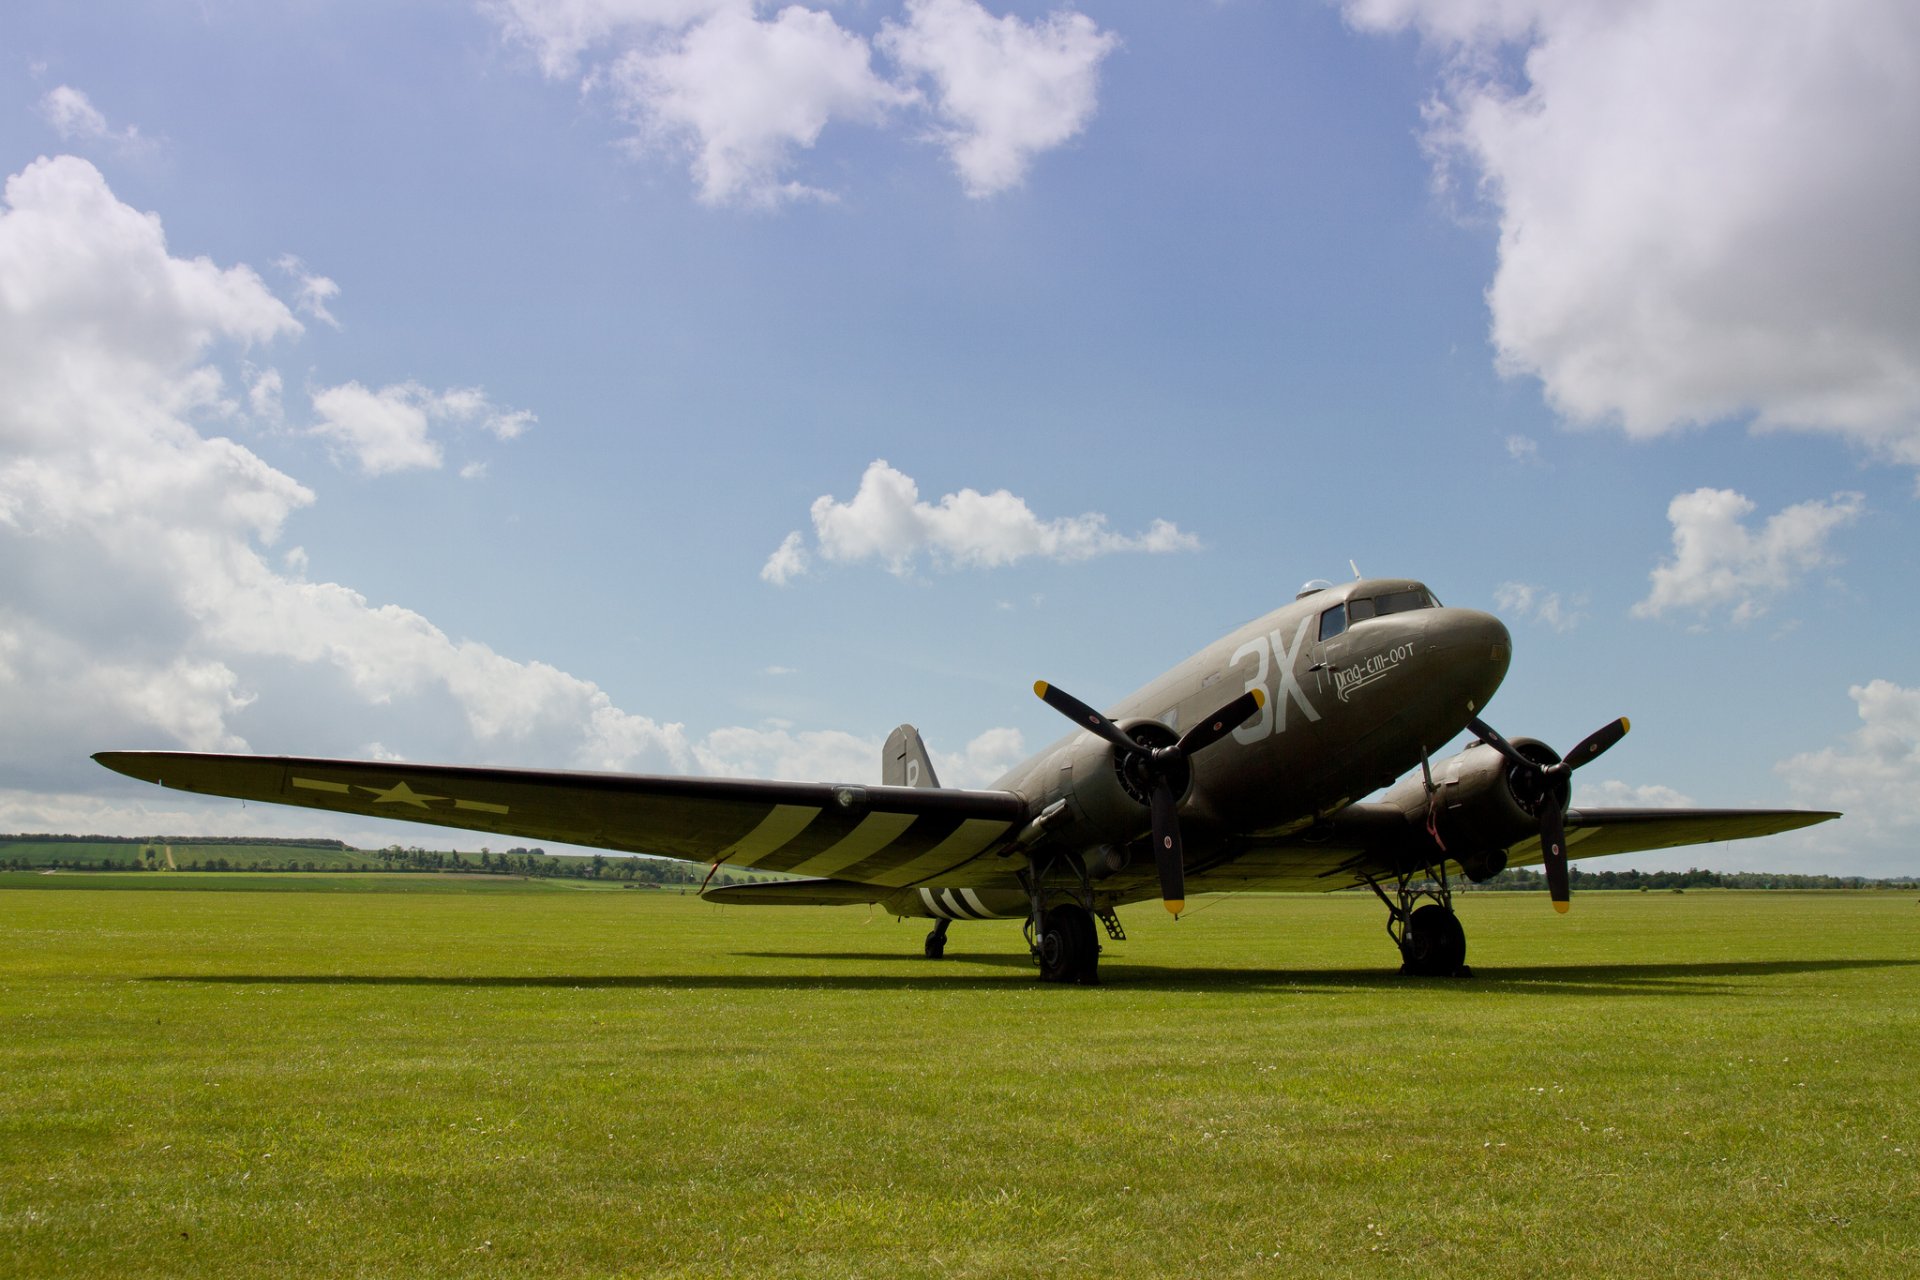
(796, 893)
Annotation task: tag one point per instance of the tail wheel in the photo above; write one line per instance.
(1434, 946)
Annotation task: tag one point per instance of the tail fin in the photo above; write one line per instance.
(904, 762)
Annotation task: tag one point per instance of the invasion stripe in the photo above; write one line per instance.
(775, 830)
(874, 834)
(968, 839)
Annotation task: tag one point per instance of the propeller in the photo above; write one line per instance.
(1158, 769)
(1548, 788)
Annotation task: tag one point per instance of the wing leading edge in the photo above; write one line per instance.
(892, 836)
(1371, 838)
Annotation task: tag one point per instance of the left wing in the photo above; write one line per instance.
(1373, 838)
(1595, 833)
(892, 836)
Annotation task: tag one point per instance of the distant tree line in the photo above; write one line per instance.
(1693, 878)
(282, 842)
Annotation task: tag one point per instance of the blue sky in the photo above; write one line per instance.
(441, 380)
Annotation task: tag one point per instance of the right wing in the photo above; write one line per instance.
(891, 836)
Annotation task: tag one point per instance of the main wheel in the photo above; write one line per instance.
(1069, 952)
(936, 944)
(1434, 945)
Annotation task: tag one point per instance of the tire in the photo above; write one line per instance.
(1069, 951)
(936, 946)
(1434, 946)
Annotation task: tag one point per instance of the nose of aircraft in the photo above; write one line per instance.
(1473, 646)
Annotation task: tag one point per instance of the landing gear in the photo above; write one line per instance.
(937, 940)
(1433, 944)
(1421, 922)
(1068, 950)
(1060, 929)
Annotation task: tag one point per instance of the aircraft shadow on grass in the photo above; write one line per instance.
(1624, 979)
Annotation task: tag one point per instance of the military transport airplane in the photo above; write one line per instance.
(1241, 768)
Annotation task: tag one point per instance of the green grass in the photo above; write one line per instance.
(552, 1083)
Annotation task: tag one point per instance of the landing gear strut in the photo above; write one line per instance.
(937, 940)
(1061, 936)
(1421, 922)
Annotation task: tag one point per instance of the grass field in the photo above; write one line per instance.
(547, 1081)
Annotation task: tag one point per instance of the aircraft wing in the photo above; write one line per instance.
(1595, 833)
(892, 836)
(1372, 838)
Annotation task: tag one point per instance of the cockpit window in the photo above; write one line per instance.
(1404, 601)
(1333, 622)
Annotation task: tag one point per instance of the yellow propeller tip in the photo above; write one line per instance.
(1175, 905)
(1040, 687)
(1259, 696)
(1561, 907)
(1626, 725)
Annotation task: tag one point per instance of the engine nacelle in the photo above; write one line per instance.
(1483, 806)
(1110, 802)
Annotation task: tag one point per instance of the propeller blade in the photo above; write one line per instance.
(1168, 854)
(1491, 736)
(1553, 850)
(1597, 742)
(1085, 716)
(1222, 722)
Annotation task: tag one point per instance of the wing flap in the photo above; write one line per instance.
(808, 827)
(796, 893)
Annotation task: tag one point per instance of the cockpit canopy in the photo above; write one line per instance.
(1374, 600)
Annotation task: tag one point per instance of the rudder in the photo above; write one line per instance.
(904, 761)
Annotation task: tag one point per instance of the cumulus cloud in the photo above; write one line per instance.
(743, 93)
(1705, 206)
(1006, 90)
(776, 750)
(1719, 563)
(1545, 607)
(390, 429)
(1613, 794)
(137, 603)
(72, 115)
(143, 604)
(886, 520)
(315, 291)
(1875, 776)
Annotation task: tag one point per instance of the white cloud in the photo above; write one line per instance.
(1007, 90)
(1523, 448)
(1719, 563)
(742, 94)
(139, 605)
(136, 603)
(1875, 777)
(390, 429)
(983, 761)
(561, 31)
(788, 561)
(1613, 794)
(1706, 206)
(775, 750)
(72, 115)
(886, 520)
(264, 389)
(315, 290)
(1543, 606)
